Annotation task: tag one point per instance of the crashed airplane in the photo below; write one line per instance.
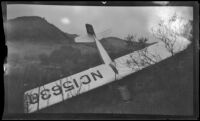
(68, 87)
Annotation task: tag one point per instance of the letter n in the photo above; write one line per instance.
(98, 74)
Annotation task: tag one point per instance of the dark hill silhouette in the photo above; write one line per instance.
(114, 44)
(35, 29)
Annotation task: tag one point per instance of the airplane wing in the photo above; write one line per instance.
(137, 60)
(68, 87)
(65, 88)
(60, 90)
(84, 39)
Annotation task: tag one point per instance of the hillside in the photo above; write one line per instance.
(165, 88)
(111, 44)
(116, 47)
(35, 29)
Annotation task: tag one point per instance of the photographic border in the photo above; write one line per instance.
(113, 116)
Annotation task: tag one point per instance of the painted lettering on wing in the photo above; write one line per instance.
(65, 87)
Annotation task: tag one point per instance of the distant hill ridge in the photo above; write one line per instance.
(35, 29)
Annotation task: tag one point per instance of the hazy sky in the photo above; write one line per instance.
(120, 20)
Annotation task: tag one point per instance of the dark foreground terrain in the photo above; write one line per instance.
(165, 88)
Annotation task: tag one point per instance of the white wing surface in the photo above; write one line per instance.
(60, 90)
(140, 59)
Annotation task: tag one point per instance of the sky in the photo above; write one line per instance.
(121, 21)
